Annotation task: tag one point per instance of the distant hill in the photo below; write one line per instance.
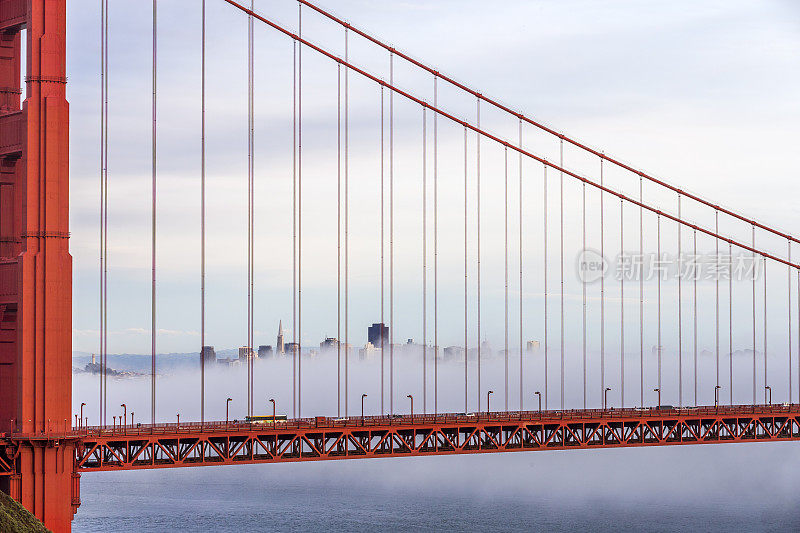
(140, 363)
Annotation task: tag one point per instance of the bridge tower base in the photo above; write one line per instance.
(35, 264)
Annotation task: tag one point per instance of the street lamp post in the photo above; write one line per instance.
(658, 390)
(539, 394)
(274, 411)
(605, 398)
(227, 404)
(82, 404)
(488, 396)
(125, 412)
(412, 406)
(131, 418)
(362, 408)
(716, 396)
(179, 420)
(768, 389)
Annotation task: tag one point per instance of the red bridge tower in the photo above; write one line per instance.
(35, 264)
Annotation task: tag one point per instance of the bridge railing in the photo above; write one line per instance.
(427, 420)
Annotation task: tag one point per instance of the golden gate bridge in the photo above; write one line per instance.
(43, 452)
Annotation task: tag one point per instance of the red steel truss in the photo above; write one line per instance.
(315, 439)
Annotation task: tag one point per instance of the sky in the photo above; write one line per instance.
(703, 96)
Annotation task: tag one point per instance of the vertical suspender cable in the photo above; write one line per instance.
(299, 346)
(694, 312)
(338, 239)
(102, 190)
(602, 294)
(391, 236)
(754, 315)
(544, 257)
(641, 295)
(478, 251)
(424, 263)
(730, 318)
(435, 251)
(466, 321)
(203, 216)
(346, 228)
(680, 313)
(765, 329)
(294, 227)
(583, 288)
(798, 332)
(658, 258)
(521, 391)
(716, 260)
(789, 308)
(383, 268)
(153, 256)
(505, 270)
(621, 308)
(561, 251)
(250, 169)
(103, 374)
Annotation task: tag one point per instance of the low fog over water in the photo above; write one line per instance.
(711, 488)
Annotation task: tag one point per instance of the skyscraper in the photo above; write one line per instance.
(376, 332)
(279, 347)
(209, 355)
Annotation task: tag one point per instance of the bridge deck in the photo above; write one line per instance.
(323, 438)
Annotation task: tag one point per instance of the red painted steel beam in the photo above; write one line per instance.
(507, 144)
(541, 126)
(169, 446)
(35, 264)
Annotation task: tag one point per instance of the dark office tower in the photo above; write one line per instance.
(376, 333)
(265, 350)
(209, 355)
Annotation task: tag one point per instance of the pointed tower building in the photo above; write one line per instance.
(279, 348)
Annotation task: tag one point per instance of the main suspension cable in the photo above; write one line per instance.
(529, 120)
